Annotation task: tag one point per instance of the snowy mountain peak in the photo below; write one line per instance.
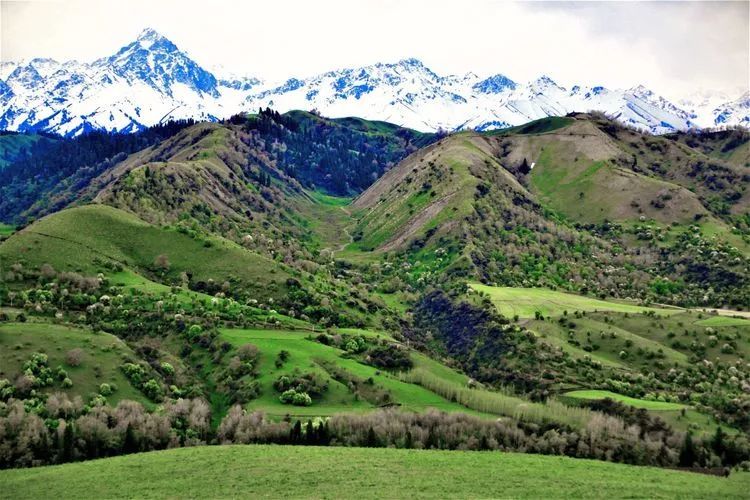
(495, 84)
(151, 80)
(149, 36)
(641, 91)
(156, 61)
(25, 76)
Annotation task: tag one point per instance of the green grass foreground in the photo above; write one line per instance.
(312, 472)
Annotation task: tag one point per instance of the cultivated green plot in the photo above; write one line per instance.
(637, 403)
(526, 302)
(315, 472)
(310, 356)
(102, 356)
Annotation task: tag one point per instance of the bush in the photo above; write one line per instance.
(309, 383)
(152, 390)
(248, 352)
(390, 357)
(295, 398)
(74, 357)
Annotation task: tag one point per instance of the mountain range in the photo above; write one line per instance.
(151, 80)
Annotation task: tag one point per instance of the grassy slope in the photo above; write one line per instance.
(72, 239)
(429, 189)
(526, 301)
(308, 355)
(312, 472)
(637, 403)
(574, 174)
(19, 340)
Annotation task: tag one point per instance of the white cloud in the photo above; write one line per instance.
(672, 47)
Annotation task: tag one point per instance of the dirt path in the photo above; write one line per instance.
(349, 236)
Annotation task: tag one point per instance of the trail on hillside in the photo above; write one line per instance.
(349, 236)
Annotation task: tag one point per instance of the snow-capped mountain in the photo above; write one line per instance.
(150, 80)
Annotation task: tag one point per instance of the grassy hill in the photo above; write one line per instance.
(257, 264)
(310, 472)
(102, 355)
(636, 403)
(86, 239)
(525, 302)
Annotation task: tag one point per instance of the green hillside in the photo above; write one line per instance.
(525, 302)
(100, 359)
(290, 279)
(637, 403)
(310, 472)
(91, 238)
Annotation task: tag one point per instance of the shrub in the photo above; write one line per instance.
(74, 357)
(152, 390)
(248, 352)
(295, 398)
(390, 357)
(309, 383)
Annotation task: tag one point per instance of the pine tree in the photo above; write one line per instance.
(687, 453)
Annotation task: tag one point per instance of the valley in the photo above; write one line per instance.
(292, 279)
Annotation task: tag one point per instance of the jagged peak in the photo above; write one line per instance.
(150, 35)
(495, 84)
(411, 61)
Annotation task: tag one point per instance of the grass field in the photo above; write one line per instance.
(255, 471)
(637, 403)
(525, 302)
(103, 355)
(6, 229)
(311, 356)
(723, 321)
(74, 239)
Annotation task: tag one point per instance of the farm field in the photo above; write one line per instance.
(525, 302)
(315, 472)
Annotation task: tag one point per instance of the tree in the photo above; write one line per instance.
(687, 453)
(74, 357)
(161, 262)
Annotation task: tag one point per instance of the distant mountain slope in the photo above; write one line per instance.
(150, 81)
(84, 239)
(558, 203)
(251, 156)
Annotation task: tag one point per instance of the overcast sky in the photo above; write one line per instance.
(672, 47)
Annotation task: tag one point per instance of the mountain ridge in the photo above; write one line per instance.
(151, 80)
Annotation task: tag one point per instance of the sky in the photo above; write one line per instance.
(674, 48)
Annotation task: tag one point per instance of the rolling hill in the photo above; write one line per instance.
(325, 272)
(311, 472)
